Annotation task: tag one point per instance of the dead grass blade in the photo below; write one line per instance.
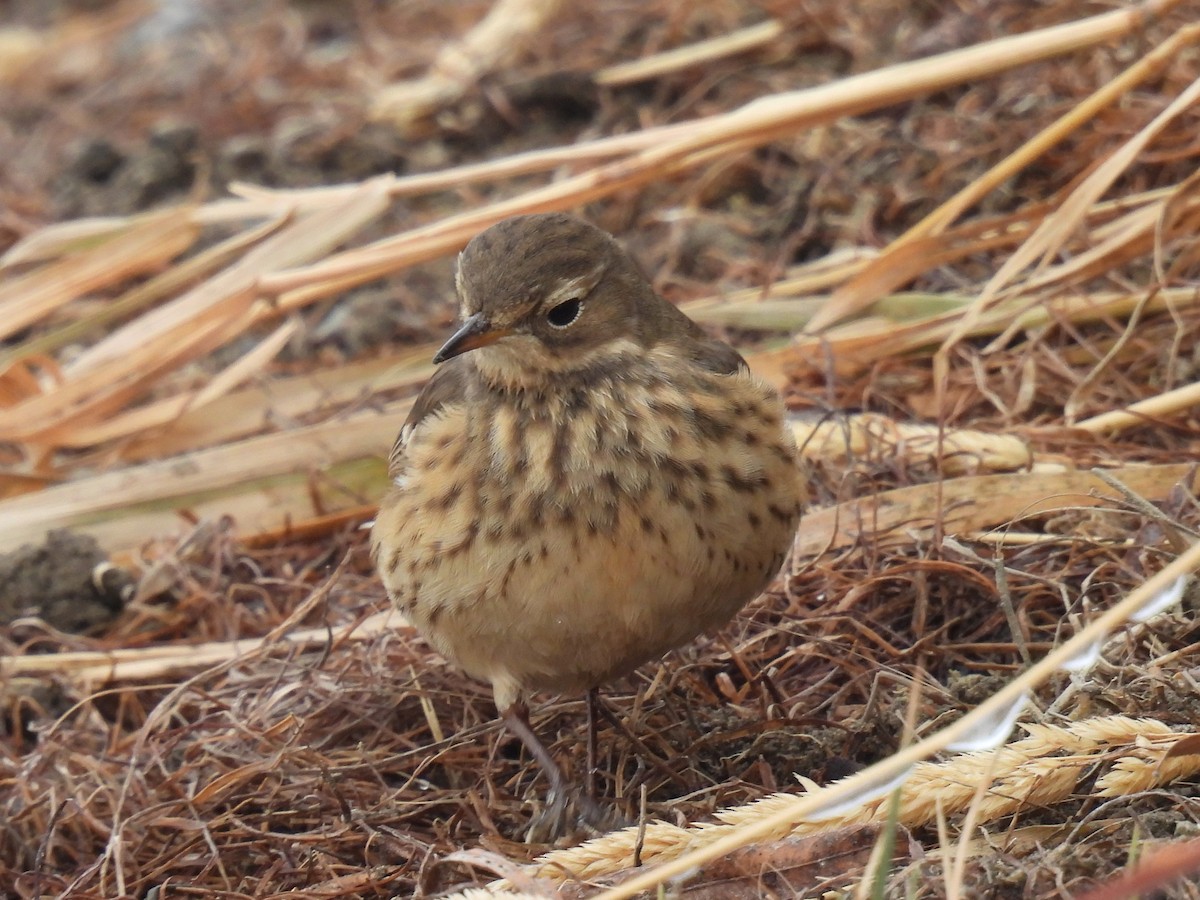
(154, 290)
(168, 410)
(974, 503)
(743, 40)
(689, 854)
(91, 668)
(922, 248)
(269, 475)
(1151, 410)
(1046, 768)
(1060, 225)
(498, 38)
(119, 368)
(763, 120)
(145, 243)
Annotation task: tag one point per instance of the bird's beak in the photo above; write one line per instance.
(475, 332)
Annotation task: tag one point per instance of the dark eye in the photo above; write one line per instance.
(565, 313)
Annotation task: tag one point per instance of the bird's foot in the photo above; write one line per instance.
(571, 815)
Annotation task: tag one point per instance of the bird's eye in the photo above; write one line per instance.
(565, 313)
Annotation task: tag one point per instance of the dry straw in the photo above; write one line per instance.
(101, 400)
(1044, 769)
(122, 433)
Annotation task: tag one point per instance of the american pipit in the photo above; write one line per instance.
(594, 483)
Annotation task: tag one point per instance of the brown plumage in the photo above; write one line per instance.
(593, 484)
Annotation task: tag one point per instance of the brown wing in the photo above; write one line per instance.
(667, 322)
(718, 357)
(447, 385)
(709, 353)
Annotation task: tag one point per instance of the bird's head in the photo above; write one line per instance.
(549, 293)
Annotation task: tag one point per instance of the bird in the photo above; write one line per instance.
(587, 481)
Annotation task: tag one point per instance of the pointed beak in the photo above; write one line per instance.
(475, 332)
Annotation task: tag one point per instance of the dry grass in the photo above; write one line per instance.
(983, 307)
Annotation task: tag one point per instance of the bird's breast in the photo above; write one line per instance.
(557, 544)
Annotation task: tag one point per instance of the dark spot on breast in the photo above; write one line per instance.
(710, 426)
(537, 510)
(508, 574)
(708, 500)
(434, 614)
(465, 543)
(576, 401)
(742, 483)
(647, 524)
(779, 513)
(701, 531)
(754, 519)
(750, 438)
(448, 499)
(559, 448)
(394, 562)
(503, 503)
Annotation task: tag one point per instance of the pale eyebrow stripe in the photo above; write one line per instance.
(581, 284)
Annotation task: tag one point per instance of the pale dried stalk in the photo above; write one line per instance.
(1152, 409)
(499, 38)
(282, 400)
(885, 275)
(744, 39)
(184, 480)
(148, 293)
(840, 440)
(169, 409)
(1040, 770)
(973, 503)
(149, 242)
(1151, 764)
(1063, 222)
(863, 340)
(119, 368)
(898, 764)
(756, 123)
(93, 667)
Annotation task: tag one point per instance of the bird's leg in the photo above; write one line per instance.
(516, 717)
(553, 823)
(589, 782)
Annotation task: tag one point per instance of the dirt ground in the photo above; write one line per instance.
(363, 768)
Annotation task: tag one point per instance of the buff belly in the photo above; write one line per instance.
(533, 585)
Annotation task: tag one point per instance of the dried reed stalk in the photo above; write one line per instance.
(1046, 768)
